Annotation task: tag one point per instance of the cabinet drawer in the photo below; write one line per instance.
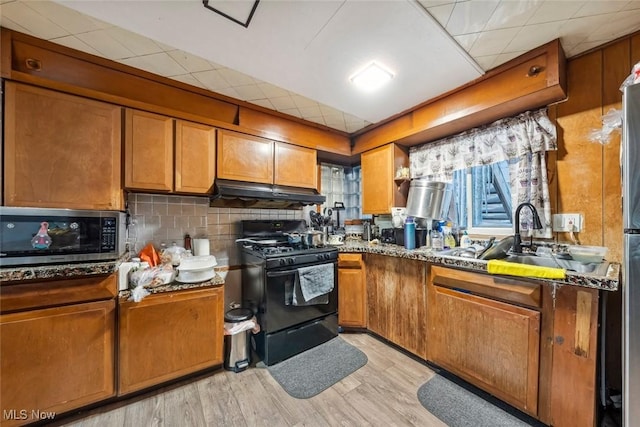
(31, 295)
(350, 260)
(515, 291)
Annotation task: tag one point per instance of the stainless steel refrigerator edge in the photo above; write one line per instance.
(631, 256)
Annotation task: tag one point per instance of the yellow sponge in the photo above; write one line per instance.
(515, 269)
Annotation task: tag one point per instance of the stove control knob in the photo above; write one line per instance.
(319, 256)
(282, 262)
(290, 260)
(327, 256)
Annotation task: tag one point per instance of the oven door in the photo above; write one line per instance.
(280, 313)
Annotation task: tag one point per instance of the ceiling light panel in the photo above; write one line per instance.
(371, 77)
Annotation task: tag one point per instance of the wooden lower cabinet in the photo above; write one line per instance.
(396, 297)
(491, 344)
(55, 360)
(168, 335)
(352, 291)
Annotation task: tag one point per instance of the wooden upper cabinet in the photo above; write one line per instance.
(148, 151)
(244, 157)
(56, 145)
(195, 166)
(379, 191)
(295, 166)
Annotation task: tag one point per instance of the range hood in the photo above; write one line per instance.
(239, 194)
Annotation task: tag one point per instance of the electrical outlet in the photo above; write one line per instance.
(567, 222)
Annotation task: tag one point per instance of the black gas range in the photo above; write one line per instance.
(271, 268)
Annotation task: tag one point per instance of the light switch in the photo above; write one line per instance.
(567, 222)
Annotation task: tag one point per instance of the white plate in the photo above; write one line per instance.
(336, 244)
(185, 277)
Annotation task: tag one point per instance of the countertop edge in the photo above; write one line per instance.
(606, 283)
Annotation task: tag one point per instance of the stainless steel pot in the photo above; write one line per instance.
(313, 238)
(428, 199)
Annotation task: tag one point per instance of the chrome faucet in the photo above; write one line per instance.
(517, 242)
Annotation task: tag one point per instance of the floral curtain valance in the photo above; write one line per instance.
(529, 132)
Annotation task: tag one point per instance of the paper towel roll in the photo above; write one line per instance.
(201, 247)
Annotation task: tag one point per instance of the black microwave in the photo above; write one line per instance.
(33, 236)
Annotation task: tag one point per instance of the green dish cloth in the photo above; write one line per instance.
(496, 266)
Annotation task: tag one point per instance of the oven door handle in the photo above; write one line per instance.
(281, 273)
(284, 273)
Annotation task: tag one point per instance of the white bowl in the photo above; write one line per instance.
(191, 276)
(197, 263)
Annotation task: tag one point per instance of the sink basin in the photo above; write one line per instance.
(598, 268)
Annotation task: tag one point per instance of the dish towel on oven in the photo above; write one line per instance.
(312, 284)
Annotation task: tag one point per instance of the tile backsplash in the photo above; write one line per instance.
(167, 218)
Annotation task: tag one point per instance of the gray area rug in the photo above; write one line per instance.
(458, 407)
(307, 374)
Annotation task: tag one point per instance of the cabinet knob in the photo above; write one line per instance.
(33, 64)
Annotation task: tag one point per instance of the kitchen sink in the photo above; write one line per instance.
(598, 268)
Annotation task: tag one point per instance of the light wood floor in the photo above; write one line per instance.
(382, 393)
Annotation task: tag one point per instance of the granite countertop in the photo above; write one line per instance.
(610, 282)
(175, 286)
(58, 271)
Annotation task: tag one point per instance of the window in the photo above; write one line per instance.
(342, 185)
(482, 199)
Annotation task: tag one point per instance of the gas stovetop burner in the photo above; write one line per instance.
(271, 250)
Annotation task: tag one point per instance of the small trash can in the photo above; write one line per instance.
(237, 339)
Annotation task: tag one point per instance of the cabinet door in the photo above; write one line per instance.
(245, 158)
(195, 157)
(148, 159)
(295, 166)
(491, 344)
(379, 191)
(61, 151)
(57, 359)
(352, 292)
(397, 301)
(166, 336)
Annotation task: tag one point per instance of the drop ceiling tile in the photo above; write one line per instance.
(189, 79)
(493, 42)
(190, 62)
(302, 101)
(442, 14)
(326, 110)
(229, 91)
(600, 7)
(583, 47)
(32, 21)
(466, 41)
(506, 57)
(311, 111)
(283, 103)
(135, 43)
(632, 5)
(470, 16)
(292, 112)
(335, 120)
(273, 91)
(236, 78)
(486, 62)
(263, 103)
(11, 25)
(434, 3)
(249, 92)
(157, 63)
(212, 80)
(555, 10)
(510, 14)
(108, 47)
(72, 21)
(619, 24)
(534, 35)
(575, 31)
(75, 43)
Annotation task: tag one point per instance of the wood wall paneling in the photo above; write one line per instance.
(285, 130)
(580, 161)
